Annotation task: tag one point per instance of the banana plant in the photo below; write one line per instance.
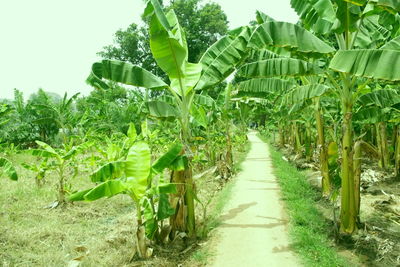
(169, 48)
(59, 160)
(397, 154)
(6, 165)
(377, 107)
(314, 92)
(347, 68)
(8, 169)
(39, 169)
(60, 113)
(4, 111)
(134, 175)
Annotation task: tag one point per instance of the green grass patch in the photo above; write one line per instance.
(308, 229)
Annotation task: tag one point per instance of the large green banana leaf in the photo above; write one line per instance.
(46, 151)
(278, 67)
(79, 196)
(42, 153)
(204, 100)
(131, 133)
(388, 17)
(107, 171)
(371, 34)
(188, 81)
(264, 86)
(306, 92)
(380, 98)
(393, 44)
(168, 42)
(261, 17)
(169, 48)
(123, 72)
(370, 63)
(164, 207)
(162, 110)
(199, 116)
(220, 59)
(263, 54)
(137, 168)
(107, 189)
(8, 168)
(166, 98)
(46, 147)
(318, 15)
(392, 6)
(371, 115)
(298, 107)
(288, 35)
(166, 160)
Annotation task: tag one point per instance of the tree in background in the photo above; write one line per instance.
(203, 25)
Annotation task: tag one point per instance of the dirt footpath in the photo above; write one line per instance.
(254, 226)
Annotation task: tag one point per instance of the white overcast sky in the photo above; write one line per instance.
(52, 43)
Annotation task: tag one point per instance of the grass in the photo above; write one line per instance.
(31, 235)
(99, 233)
(308, 229)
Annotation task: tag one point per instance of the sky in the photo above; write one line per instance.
(51, 44)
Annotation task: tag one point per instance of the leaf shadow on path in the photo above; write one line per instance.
(242, 207)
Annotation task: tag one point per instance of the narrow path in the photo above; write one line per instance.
(254, 226)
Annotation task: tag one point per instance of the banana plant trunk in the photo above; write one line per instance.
(141, 245)
(357, 175)
(397, 154)
(183, 202)
(229, 155)
(323, 153)
(188, 173)
(281, 133)
(297, 139)
(178, 220)
(382, 145)
(61, 190)
(189, 200)
(308, 144)
(348, 208)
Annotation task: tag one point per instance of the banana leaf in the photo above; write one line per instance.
(123, 72)
(8, 168)
(305, 92)
(370, 63)
(289, 36)
(166, 160)
(317, 15)
(137, 168)
(220, 59)
(278, 67)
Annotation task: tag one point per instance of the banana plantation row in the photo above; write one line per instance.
(327, 83)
